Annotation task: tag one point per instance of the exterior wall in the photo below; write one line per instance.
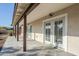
(73, 29)
(21, 30)
(37, 31)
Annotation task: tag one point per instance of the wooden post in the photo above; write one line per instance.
(18, 32)
(15, 31)
(24, 33)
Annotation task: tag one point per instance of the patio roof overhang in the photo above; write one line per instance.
(41, 10)
(20, 9)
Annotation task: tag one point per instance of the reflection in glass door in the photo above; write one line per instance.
(48, 31)
(58, 29)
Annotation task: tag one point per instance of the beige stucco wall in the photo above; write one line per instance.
(73, 28)
(21, 35)
(37, 31)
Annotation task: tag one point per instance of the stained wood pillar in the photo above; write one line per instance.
(18, 32)
(24, 33)
(15, 30)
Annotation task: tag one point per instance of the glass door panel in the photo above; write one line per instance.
(48, 31)
(58, 33)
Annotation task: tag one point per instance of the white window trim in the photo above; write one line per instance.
(65, 46)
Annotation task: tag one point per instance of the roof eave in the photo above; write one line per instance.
(15, 7)
(28, 10)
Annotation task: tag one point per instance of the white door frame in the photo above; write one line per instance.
(65, 36)
(48, 42)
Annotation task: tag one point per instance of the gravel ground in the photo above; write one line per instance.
(34, 48)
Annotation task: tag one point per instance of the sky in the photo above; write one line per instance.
(6, 14)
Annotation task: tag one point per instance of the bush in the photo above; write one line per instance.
(3, 31)
(10, 32)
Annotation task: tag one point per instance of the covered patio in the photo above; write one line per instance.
(29, 12)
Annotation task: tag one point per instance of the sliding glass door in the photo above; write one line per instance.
(55, 32)
(58, 33)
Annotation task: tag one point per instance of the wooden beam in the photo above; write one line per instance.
(24, 32)
(32, 8)
(18, 32)
(28, 10)
(15, 31)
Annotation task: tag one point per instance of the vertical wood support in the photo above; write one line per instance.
(18, 32)
(15, 30)
(24, 33)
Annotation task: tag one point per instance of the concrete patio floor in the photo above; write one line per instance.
(34, 48)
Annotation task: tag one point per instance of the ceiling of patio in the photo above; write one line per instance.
(44, 9)
(19, 10)
(41, 10)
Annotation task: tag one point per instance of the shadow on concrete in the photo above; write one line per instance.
(9, 50)
(0, 48)
(38, 52)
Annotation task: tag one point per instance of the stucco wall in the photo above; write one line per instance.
(73, 28)
(21, 30)
(37, 31)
